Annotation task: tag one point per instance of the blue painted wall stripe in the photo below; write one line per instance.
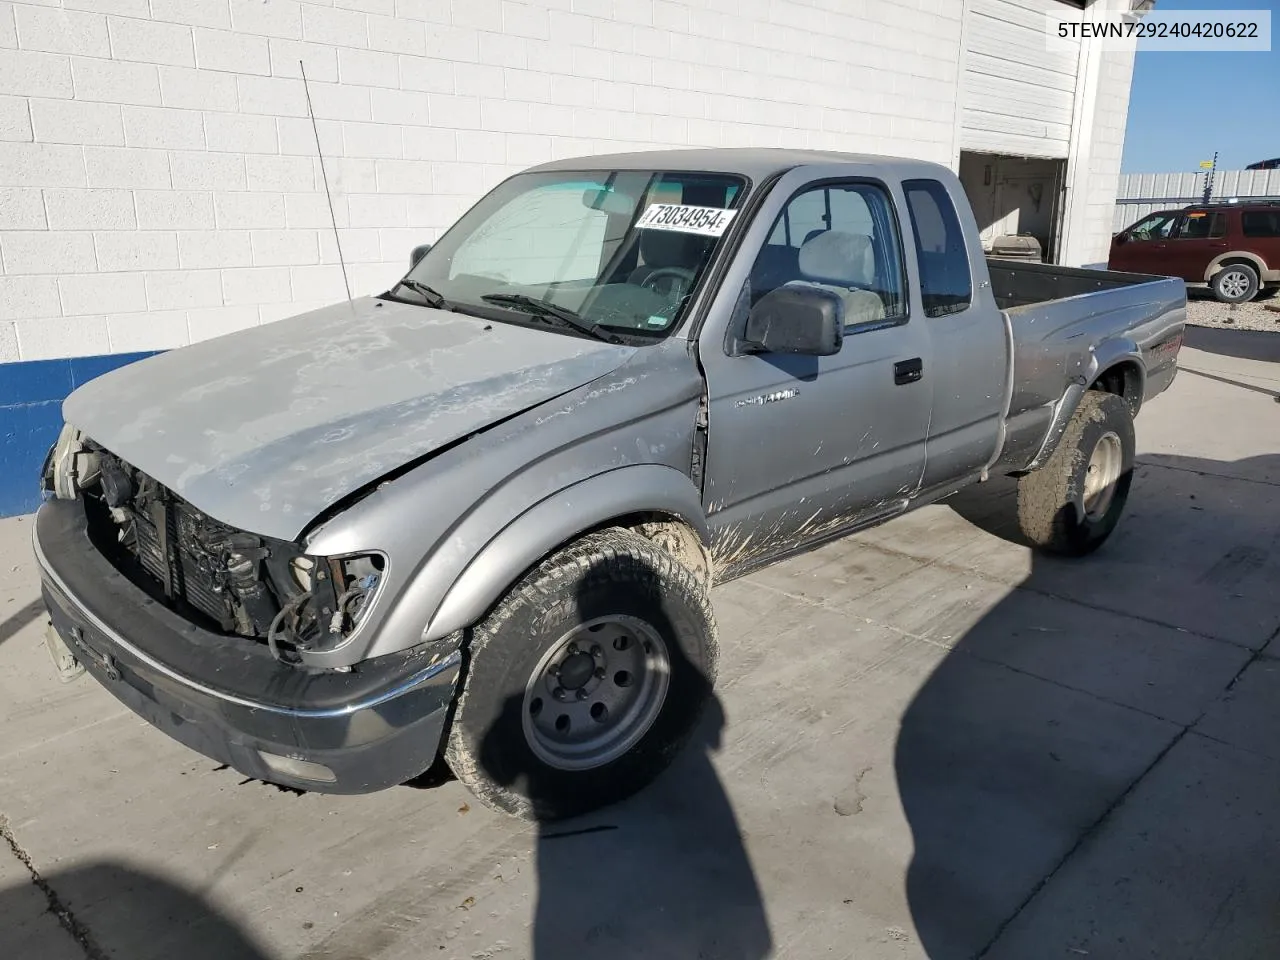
(31, 395)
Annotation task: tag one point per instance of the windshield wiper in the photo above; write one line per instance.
(544, 308)
(433, 297)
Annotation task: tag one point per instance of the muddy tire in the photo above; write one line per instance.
(1235, 283)
(1071, 503)
(585, 680)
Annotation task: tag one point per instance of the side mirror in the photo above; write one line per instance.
(804, 320)
(1122, 237)
(419, 252)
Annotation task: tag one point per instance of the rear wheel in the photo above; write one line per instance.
(585, 680)
(1235, 283)
(1072, 503)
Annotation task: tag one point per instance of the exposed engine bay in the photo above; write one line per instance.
(218, 577)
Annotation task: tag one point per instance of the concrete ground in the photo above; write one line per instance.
(928, 743)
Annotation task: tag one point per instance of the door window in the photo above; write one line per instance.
(842, 237)
(1155, 227)
(946, 283)
(1201, 225)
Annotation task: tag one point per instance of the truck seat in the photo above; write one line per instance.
(844, 263)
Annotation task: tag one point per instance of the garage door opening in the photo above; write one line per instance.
(1015, 197)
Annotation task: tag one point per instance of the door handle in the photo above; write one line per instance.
(1218, 246)
(908, 371)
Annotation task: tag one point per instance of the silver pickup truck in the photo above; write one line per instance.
(475, 520)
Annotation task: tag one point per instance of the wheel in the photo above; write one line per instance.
(1235, 283)
(585, 680)
(1071, 503)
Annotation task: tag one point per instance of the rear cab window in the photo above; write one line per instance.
(946, 279)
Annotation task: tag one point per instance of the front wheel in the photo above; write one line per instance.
(1073, 501)
(584, 681)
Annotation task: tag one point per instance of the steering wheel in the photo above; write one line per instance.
(681, 275)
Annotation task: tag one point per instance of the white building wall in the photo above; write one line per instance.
(1093, 167)
(158, 174)
(1105, 153)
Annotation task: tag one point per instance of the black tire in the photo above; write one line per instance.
(1235, 283)
(1051, 509)
(614, 572)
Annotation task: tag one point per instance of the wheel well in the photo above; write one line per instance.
(1233, 261)
(1124, 380)
(670, 532)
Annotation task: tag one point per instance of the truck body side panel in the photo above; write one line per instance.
(1064, 346)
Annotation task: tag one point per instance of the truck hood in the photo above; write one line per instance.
(265, 428)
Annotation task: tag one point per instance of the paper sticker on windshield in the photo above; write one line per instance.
(708, 221)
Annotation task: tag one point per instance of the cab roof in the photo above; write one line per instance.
(757, 163)
(1244, 203)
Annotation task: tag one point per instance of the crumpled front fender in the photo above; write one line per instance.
(560, 518)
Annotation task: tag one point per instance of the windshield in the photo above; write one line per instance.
(603, 252)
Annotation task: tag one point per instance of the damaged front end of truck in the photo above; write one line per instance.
(223, 579)
(219, 636)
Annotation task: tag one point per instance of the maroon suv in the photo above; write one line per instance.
(1235, 248)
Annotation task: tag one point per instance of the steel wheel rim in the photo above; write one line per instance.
(1101, 476)
(595, 692)
(1234, 284)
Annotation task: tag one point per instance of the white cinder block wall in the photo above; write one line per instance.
(1097, 147)
(158, 173)
(159, 181)
(1105, 154)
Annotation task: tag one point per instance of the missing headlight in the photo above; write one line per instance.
(328, 600)
(360, 576)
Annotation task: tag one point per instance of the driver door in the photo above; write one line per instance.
(1146, 245)
(800, 446)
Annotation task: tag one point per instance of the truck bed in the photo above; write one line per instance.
(1064, 325)
(1016, 284)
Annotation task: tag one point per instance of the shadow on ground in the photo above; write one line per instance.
(15, 620)
(149, 915)
(663, 875)
(1004, 777)
(1242, 344)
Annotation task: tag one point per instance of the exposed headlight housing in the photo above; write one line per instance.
(325, 599)
(68, 466)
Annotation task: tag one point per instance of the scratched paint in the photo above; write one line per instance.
(264, 428)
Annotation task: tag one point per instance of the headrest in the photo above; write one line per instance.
(838, 256)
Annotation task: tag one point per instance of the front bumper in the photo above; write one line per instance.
(227, 697)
